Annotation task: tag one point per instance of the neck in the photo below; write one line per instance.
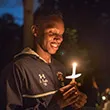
(43, 54)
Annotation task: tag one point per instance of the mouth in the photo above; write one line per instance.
(55, 46)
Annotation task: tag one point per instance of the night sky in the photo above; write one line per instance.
(15, 7)
(92, 20)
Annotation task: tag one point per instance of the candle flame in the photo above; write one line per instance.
(74, 64)
(74, 75)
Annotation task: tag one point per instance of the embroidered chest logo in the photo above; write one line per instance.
(43, 79)
(60, 78)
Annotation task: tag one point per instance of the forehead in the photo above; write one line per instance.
(54, 22)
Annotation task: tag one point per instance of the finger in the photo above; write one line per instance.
(71, 100)
(82, 95)
(81, 102)
(82, 99)
(71, 92)
(67, 87)
(78, 104)
(71, 97)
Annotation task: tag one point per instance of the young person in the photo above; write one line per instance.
(31, 81)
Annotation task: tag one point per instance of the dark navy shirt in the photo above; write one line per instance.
(29, 75)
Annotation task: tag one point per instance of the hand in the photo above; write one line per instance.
(66, 95)
(70, 95)
(81, 100)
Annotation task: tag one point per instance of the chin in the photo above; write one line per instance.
(52, 52)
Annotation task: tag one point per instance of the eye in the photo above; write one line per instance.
(51, 33)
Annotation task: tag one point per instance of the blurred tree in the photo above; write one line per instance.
(7, 18)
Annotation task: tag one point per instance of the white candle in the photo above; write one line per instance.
(74, 75)
(74, 69)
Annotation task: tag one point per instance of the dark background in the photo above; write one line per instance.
(91, 18)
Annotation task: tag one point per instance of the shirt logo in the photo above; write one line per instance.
(43, 79)
(60, 78)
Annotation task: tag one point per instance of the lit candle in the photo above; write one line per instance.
(74, 69)
(74, 75)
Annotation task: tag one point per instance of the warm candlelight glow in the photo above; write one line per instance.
(74, 75)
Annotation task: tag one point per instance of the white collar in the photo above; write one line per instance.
(30, 51)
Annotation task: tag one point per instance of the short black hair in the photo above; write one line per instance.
(41, 14)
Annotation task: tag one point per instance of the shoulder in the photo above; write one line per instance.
(24, 60)
(18, 64)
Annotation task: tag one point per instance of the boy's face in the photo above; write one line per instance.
(51, 35)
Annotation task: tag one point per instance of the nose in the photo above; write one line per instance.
(58, 38)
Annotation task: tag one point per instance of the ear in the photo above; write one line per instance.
(34, 30)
